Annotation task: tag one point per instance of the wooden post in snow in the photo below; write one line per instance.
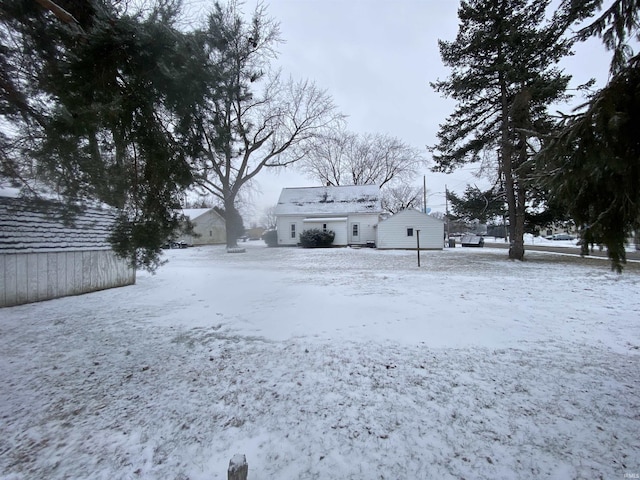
(238, 468)
(418, 241)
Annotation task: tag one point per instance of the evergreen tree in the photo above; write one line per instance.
(503, 78)
(593, 162)
(477, 205)
(95, 94)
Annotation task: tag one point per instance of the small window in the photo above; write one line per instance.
(211, 233)
(409, 232)
(293, 230)
(324, 227)
(354, 230)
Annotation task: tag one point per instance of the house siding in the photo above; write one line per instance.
(366, 226)
(283, 227)
(210, 229)
(392, 232)
(338, 207)
(338, 227)
(342, 228)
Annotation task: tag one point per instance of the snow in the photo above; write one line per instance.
(329, 200)
(335, 363)
(39, 227)
(193, 213)
(7, 191)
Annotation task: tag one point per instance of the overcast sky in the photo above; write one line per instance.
(376, 59)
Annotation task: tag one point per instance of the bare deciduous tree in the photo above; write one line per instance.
(396, 198)
(269, 218)
(254, 119)
(344, 158)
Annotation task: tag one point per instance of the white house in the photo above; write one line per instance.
(351, 212)
(400, 231)
(45, 255)
(207, 224)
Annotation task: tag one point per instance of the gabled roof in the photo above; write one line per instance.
(329, 200)
(193, 213)
(413, 213)
(28, 226)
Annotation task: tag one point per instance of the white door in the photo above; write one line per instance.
(355, 232)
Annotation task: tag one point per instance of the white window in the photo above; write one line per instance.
(293, 230)
(409, 231)
(354, 230)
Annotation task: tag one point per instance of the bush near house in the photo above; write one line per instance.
(315, 238)
(270, 237)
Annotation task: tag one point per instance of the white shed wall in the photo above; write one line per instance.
(32, 277)
(392, 232)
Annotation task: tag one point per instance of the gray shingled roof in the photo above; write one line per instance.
(28, 226)
(329, 200)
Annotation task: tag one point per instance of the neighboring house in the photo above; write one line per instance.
(400, 231)
(351, 212)
(255, 233)
(207, 224)
(45, 255)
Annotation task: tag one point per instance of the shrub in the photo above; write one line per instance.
(314, 238)
(270, 237)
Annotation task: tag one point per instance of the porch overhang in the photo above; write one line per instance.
(325, 219)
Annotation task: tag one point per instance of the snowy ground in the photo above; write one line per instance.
(323, 364)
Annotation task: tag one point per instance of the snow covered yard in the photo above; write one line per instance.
(342, 363)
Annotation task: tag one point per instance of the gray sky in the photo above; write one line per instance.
(376, 59)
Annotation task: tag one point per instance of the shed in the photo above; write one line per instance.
(399, 231)
(208, 225)
(46, 254)
(350, 211)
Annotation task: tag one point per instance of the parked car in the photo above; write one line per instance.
(471, 240)
(562, 236)
(175, 244)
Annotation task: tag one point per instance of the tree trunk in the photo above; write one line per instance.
(516, 251)
(233, 221)
(520, 121)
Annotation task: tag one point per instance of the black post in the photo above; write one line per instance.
(418, 240)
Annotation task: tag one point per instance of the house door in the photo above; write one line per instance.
(355, 232)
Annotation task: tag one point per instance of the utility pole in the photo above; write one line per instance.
(424, 192)
(446, 208)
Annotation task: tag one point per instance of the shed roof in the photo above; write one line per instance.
(329, 200)
(28, 226)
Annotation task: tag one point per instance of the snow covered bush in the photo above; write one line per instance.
(316, 238)
(270, 237)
